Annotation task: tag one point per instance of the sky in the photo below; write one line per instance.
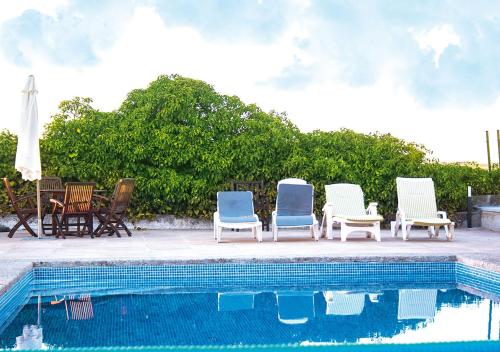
(427, 71)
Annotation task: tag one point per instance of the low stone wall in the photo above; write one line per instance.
(160, 222)
(491, 220)
(170, 222)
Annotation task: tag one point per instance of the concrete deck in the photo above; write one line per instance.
(475, 246)
(196, 244)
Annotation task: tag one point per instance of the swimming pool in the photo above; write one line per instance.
(253, 304)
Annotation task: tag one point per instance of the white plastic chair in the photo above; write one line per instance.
(345, 205)
(417, 206)
(235, 211)
(294, 208)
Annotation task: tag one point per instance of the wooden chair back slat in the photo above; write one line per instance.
(51, 183)
(122, 195)
(78, 197)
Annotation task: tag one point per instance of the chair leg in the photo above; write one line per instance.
(215, 231)
(219, 234)
(322, 229)
(405, 228)
(436, 231)
(259, 233)
(376, 231)
(451, 232)
(275, 233)
(343, 232)
(114, 229)
(315, 230)
(14, 229)
(90, 225)
(23, 220)
(121, 224)
(58, 223)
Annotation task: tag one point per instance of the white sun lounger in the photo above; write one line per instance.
(345, 205)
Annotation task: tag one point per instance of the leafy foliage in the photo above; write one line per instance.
(182, 142)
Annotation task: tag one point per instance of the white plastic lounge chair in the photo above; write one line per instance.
(344, 303)
(234, 301)
(295, 307)
(345, 204)
(235, 211)
(294, 208)
(417, 206)
(417, 304)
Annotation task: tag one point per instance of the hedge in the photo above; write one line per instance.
(182, 142)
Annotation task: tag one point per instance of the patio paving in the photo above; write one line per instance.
(198, 244)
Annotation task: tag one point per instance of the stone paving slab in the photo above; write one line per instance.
(10, 272)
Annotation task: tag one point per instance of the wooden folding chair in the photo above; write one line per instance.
(47, 184)
(111, 217)
(25, 208)
(77, 205)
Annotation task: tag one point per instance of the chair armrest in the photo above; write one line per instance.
(101, 198)
(327, 205)
(400, 215)
(30, 199)
(372, 208)
(442, 214)
(56, 203)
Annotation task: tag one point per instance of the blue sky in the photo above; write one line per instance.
(365, 65)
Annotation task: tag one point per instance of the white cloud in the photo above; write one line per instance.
(16, 8)
(437, 39)
(147, 47)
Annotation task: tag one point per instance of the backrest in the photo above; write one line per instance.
(294, 199)
(346, 199)
(122, 195)
(292, 181)
(416, 197)
(235, 203)
(10, 192)
(51, 183)
(78, 197)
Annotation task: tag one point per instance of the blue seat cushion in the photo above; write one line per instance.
(237, 219)
(299, 220)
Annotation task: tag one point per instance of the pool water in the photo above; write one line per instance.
(278, 316)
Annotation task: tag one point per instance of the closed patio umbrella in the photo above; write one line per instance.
(28, 148)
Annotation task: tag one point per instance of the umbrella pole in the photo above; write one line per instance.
(39, 208)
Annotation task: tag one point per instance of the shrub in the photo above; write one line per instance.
(182, 142)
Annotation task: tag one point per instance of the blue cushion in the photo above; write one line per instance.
(235, 204)
(300, 220)
(294, 200)
(237, 219)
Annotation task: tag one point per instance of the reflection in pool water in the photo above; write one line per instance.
(255, 317)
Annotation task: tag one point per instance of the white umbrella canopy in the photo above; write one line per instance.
(28, 148)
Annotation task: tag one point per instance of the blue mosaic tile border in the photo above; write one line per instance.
(15, 298)
(478, 278)
(246, 274)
